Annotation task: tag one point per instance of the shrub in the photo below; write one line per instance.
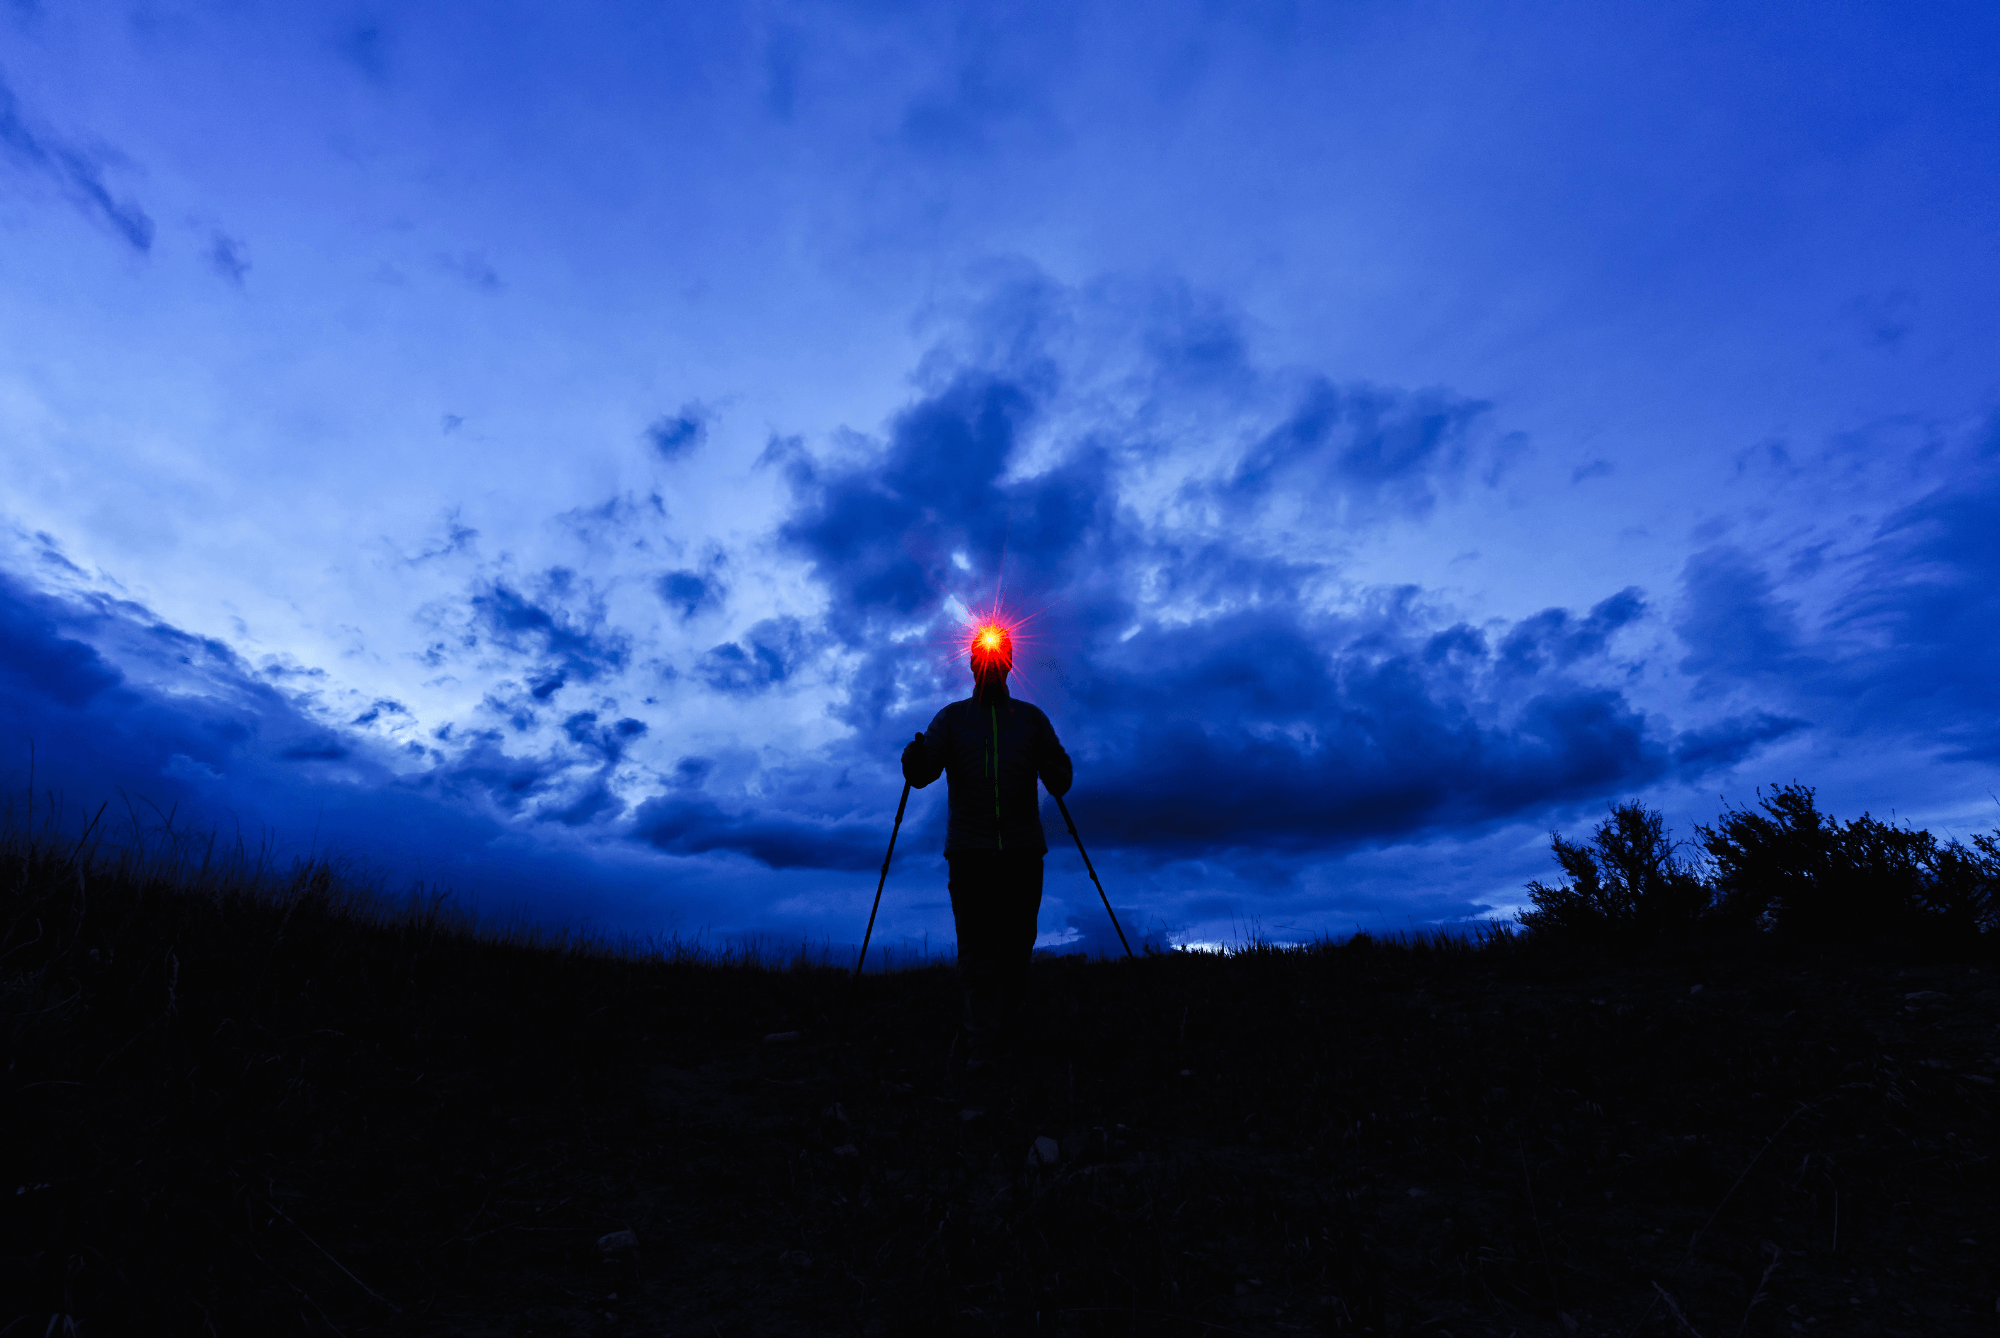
(1782, 857)
(1624, 882)
(1794, 870)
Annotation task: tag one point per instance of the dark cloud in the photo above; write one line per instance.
(882, 537)
(1926, 603)
(1732, 621)
(1262, 732)
(380, 707)
(109, 700)
(689, 592)
(517, 712)
(675, 435)
(1698, 751)
(36, 660)
(1362, 447)
(1554, 636)
(314, 750)
(981, 97)
(78, 173)
(48, 552)
(595, 804)
(225, 257)
(1252, 720)
(1905, 648)
(607, 741)
(572, 646)
(766, 656)
(698, 826)
(485, 770)
(365, 46)
(113, 701)
(1195, 337)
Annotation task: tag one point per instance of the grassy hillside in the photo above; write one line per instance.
(251, 1099)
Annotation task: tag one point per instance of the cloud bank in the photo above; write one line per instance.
(1176, 526)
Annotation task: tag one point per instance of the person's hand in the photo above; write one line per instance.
(913, 750)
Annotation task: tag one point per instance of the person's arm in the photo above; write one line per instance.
(924, 756)
(1052, 762)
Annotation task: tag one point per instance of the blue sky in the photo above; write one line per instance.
(549, 449)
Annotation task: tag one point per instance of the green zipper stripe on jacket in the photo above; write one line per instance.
(993, 711)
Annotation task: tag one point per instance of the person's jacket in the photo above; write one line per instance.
(992, 748)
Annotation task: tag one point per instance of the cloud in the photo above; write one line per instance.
(1898, 644)
(596, 803)
(78, 173)
(1225, 696)
(474, 269)
(225, 257)
(1264, 732)
(768, 654)
(456, 537)
(365, 46)
(978, 100)
(699, 826)
(1732, 621)
(689, 592)
(1093, 934)
(570, 646)
(881, 536)
(1219, 696)
(607, 741)
(315, 750)
(482, 769)
(676, 435)
(113, 700)
(380, 707)
(1554, 636)
(1363, 449)
(1923, 609)
(1724, 744)
(36, 660)
(184, 768)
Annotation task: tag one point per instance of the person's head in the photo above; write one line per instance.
(992, 655)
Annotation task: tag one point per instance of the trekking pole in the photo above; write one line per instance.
(1091, 871)
(880, 883)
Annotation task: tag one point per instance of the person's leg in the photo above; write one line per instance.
(1020, 905)
(977, 906)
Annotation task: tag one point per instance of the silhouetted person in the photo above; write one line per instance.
(992, 748)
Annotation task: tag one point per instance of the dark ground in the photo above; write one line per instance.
(251, 1120)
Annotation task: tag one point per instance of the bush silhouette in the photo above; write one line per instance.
(1783, 868)
(1624, 883)
(1796, 871)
